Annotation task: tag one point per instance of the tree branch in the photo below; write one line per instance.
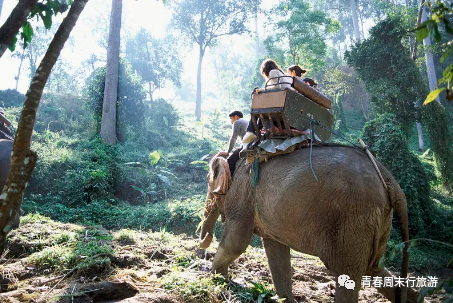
(22, 159)
(419, 18)
(14, 22)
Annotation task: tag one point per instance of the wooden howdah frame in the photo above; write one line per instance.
(287, 108)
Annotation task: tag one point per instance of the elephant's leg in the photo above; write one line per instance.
(389, 292)
(235, 239)
(348, 295)
(349, 256)
(278, 257)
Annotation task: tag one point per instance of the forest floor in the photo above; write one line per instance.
(49, 261)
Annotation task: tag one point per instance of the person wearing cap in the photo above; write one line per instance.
(239, 126)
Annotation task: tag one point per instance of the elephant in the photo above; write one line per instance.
(6, 147)
(344, 217)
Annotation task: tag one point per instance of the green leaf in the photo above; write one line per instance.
(164, 179)
(165, 120)
(12, 46)
(46, 18)
(392, 256)
(54, 5)
(433, 95)
(154, 157)
(436, 34)
(422, 33)
(447, 53)
(138, 189)
(381, 261)
(27, 31)
(447, 26)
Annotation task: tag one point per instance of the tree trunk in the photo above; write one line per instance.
(340, 123)
(1, 7)
(14, 22)
(257, 36)
(23, 159)
(430, 68)
(419, 19)
(355, 20)
(421, 142)
(150, 86)
(362, 32)
(20, 67)
(198, 101)
(108, 123)
(364, 111)
(150, 89)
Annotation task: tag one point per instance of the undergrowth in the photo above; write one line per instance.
(179, 216)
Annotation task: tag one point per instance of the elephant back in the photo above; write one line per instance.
(6, 147)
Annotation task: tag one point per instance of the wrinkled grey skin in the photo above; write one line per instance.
(344, 218)
(6, 147)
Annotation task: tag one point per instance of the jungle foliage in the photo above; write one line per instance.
(396, 86)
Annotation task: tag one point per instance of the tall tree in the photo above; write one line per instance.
(108, 123)
(301, 33)
(21, 56)
(155, 60)
(355, 19)
(442, 13)
(23, 159)
(429, 59)
(204, 21)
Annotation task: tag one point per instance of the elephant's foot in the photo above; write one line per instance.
(279, 259)
(345, 295)
(221, 262)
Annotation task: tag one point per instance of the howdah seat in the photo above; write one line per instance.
(282, 110)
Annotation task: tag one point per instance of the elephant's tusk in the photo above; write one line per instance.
(206, 241)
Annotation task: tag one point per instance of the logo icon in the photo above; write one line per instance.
(345, 281)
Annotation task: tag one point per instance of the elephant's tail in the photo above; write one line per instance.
(398, 202)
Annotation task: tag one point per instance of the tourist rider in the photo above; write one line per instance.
(272, 72)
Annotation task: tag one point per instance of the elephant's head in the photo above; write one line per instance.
(219, 180)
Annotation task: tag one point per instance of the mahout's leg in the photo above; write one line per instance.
(279, 259)
(235, 239)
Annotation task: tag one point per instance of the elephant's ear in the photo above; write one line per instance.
(220, 176)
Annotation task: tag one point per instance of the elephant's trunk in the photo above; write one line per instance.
(207, 228)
